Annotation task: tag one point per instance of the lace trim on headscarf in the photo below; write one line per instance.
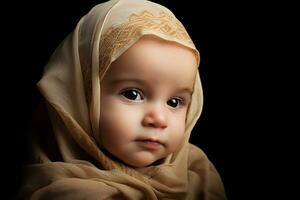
(118, 37)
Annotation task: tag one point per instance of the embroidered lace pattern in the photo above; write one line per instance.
(117, 37)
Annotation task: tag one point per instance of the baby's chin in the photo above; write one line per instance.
(144, 162)
(138, 159)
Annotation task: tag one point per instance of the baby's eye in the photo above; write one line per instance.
(132, 94)
(175, 102)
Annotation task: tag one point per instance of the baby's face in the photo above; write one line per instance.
(144, 100)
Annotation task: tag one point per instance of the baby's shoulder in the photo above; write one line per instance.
(196, 154)
(193, 149)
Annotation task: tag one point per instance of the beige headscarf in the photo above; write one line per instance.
(67, 162)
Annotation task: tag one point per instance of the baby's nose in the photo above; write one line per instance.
(156, 118)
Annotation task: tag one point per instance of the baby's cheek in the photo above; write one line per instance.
(177, 138)
(118, 122)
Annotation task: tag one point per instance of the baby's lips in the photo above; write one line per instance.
(150, 144)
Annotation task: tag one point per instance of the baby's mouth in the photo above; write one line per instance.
(150, 144)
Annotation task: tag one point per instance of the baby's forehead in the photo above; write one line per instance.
(151, 53)
(150, 70)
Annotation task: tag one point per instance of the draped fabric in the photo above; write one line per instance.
(67, 161)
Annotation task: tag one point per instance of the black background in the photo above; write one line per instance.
(236, 70)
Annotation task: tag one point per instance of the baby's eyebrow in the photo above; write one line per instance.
(185, 90)
(120, 80)
(144, 82)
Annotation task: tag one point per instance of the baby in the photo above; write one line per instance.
(121, 94)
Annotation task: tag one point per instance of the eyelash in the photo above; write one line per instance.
(181, 101)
